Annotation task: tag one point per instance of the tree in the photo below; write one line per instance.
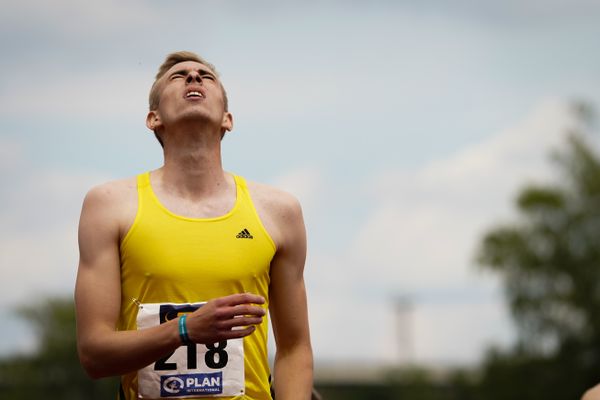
(53, 371)
(549, 262)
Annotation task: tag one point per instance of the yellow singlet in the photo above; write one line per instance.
(171, 259)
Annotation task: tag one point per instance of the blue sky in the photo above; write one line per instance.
(405, 129)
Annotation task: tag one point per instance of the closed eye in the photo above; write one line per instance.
(176, 75)
(183, 74)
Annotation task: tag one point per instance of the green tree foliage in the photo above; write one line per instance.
(549, 262)
(53, 371)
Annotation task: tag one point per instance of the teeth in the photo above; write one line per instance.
(194, 94)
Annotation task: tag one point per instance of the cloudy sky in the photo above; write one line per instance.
(405, 129)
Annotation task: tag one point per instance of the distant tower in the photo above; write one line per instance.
(403, 311)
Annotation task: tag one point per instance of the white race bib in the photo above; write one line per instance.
(191, 370)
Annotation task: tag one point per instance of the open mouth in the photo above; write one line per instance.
(194, 94)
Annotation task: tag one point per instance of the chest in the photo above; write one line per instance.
(198, 254)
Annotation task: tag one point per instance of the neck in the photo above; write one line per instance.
(193, 166)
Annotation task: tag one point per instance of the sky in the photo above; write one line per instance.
(404, 128)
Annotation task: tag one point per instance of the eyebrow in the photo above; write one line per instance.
(202, 72)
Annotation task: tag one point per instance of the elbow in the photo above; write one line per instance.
(90, 367)
(91, 363)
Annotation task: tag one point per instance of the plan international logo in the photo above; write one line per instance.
(191, 384)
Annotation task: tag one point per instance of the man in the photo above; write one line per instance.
(179, 265)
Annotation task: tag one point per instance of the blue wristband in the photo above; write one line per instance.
(183, 334)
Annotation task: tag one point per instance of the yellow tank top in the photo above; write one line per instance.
(167, 258)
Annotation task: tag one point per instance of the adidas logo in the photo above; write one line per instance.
(245, 234)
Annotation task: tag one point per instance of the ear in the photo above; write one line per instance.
(153, 120)
(227, 123)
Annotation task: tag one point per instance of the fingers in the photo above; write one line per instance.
(223, 318)
(241, 310)
(237, 305)
(239, 322)
(238, 333)
(241, 298)
(227, 334)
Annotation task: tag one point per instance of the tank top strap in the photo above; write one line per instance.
(246, 205)
(144, 190)
(240, 182)
(243, 195)
(143, 179)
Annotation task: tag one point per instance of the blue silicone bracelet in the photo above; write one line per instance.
(183, 334)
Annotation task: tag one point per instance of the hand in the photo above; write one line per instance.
(224, 318)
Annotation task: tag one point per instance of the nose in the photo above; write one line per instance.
(193, 76)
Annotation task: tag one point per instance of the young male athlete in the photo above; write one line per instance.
(179, 265)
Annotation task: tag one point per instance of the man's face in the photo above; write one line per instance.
(191, 91)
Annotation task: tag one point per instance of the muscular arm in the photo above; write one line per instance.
(103, 350)
(293, 359)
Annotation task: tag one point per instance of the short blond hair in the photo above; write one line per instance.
(176, 58)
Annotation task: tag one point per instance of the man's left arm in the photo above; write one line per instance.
(293, 374)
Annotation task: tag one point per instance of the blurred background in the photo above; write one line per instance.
(445, 153)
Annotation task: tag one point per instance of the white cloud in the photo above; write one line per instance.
(426, 222)
(419, 240)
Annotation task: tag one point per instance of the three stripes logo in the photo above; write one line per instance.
(245, 234)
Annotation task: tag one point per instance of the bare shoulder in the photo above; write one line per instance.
(592, 394)
(279, 211)
(275, 199)
(112, 193)
(115, 202)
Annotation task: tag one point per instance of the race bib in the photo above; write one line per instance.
(192, 370)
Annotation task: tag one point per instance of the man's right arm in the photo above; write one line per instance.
(103, 350)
